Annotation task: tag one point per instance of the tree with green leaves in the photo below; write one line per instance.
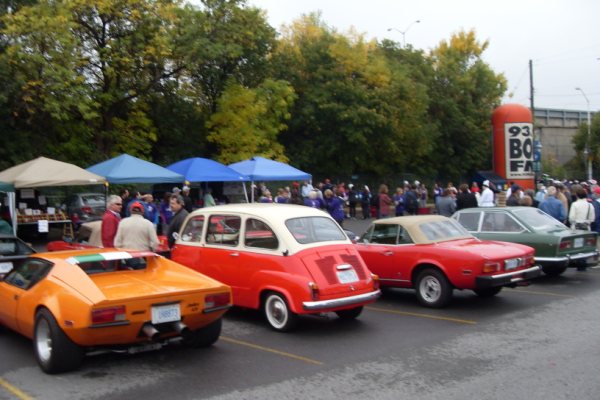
(463, 93)
(581, 141)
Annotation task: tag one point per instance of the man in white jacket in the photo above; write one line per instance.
(487, 195)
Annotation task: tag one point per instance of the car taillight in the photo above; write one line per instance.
(109, 314)
(217, 300)
(528, 261)
(591, 241)
(375, 281)
(86, 209)
(565, 244)
(491, 266)
(314, 290)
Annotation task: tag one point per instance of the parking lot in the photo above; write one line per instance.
(535, 342)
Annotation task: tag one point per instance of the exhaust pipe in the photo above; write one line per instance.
(181, 328)
(151, 332)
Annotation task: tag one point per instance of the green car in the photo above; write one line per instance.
(557, 247)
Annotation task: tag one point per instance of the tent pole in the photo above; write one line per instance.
(245, 191)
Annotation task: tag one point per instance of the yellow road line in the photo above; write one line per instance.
(270, 350)
(539, 293)
(411, 314)
(14, 390)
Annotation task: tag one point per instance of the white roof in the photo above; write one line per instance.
(275, 215)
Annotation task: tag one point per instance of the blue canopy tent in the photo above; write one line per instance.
(198, 169)
(263, 169)
(129, 169)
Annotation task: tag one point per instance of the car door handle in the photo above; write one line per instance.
(388, 253)
(234, 254)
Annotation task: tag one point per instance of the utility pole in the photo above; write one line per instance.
(537, 138)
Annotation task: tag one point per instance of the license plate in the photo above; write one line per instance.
(578, 242)
(5, 267)
(511, 264)
(166, 313)
(347, 276)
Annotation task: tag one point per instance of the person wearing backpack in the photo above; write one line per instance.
(411, 201)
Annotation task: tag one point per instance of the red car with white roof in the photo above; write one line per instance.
(286, 260)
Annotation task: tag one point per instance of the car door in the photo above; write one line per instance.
(379, 249)
(221, 251)
(189, 248)
(500, 225)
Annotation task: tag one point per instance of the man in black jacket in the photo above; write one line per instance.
(465, 199)
(180, 213)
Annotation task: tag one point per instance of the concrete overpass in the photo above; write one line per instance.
(557, 128)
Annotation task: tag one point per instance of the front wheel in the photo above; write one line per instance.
(278, 313)
(204, 337)
(488, 292)
(433, 288)
(351, 313)
(54, 351)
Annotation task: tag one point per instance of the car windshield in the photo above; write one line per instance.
(538, 220)
(314, 229)
(440, 231)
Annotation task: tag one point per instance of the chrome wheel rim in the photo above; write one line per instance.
(430, 288)
(277, 312)
(43, 340)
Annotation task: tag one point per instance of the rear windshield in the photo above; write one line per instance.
(538, 220)
(95, 267)
(314, 229)
(94, 200)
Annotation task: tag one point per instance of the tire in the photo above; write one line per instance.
(204, 337)
(278, 313)
(433, 288)
(554, 270)
(54, 351)
(351, 313)
(488, 292)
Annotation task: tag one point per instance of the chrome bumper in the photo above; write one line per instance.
(569, 258)
(341, 302)
(508, 278)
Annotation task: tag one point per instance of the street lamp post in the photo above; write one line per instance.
(403, 33)
(587, 151)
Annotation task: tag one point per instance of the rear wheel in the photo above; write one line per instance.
(554, 270)
(433, 288)
(488, 292)
(351, 313)
(54, 351)
(204, 337)
(278, 313)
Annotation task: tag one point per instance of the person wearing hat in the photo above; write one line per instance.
(487, 195)
(135, 232)
(552, 206)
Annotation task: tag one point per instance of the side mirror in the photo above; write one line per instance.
(175, 235)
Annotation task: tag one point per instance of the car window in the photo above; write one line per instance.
(500, 222)
(192, 232)
(538, 220)
(438, 231)
(94, 199)
(258, 234)
(314, 229)
(470, 220)
(13, 247)
(384, 234)
(27, 273)
(223, 229)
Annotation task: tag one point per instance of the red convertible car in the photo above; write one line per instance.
(435, 254)
(283, 259)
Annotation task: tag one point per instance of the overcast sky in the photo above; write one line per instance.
(561, 37)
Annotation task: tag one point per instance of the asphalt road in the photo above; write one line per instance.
(535, 342)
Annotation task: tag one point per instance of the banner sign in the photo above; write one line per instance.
(519, 150)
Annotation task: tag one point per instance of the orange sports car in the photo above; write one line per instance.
(76, 302)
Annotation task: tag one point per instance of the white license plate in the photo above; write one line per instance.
(511, 264)
(578, 242)
(347, 276)
(166, 313)
(5, 267)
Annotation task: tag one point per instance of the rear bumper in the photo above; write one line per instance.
(341, 302)
(508, 278)
(590, 257)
